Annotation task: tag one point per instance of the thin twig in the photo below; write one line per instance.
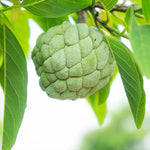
(93, 3)
(139, 15)
(110, 29)
(90, 16)
(119, 8)
(97, 20)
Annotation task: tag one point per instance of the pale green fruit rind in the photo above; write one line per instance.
(73, 61)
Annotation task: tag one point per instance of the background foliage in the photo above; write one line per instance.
(106, 15)
(116, 136)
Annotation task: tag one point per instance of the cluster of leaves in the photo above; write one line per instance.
(14, 47)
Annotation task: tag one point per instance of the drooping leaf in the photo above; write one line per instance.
(15, 14)
(20, 27)
(100, 110)
(139, 20)
(108, 4)
(54, 8)
(131, 78)
(1, 45)
(139, 39)
(1, 55)
(2, 76)
(103, 93)
(1, 58)
(15, 11)
(46, 23)
(127, 17)
(15, 88)
(146, 9)
(142, 53)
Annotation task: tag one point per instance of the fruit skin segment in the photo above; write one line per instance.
(73, 61)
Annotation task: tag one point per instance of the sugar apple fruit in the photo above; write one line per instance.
(73, 61)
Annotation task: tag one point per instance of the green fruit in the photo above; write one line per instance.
(73, 61)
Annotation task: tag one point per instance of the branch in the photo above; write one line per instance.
(112, 30)
(81, 16)
(120, 8)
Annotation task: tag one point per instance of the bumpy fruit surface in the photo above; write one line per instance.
(73, 61)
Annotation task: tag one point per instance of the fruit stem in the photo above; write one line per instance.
(81, 16)
(112, 30)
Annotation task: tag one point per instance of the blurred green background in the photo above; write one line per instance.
(119, 134)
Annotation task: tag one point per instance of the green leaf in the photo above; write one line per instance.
(103, 94)
(108, 4)
(146, 9)
(127, 17)
(139, 21)
(46, 23)
(2, 76)
(1, 58)
(131, 78)
(142, 53)
(15, 88)
(100, 110)
(1, 46)
(139, 38)
(20, 27)
(54, 8)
